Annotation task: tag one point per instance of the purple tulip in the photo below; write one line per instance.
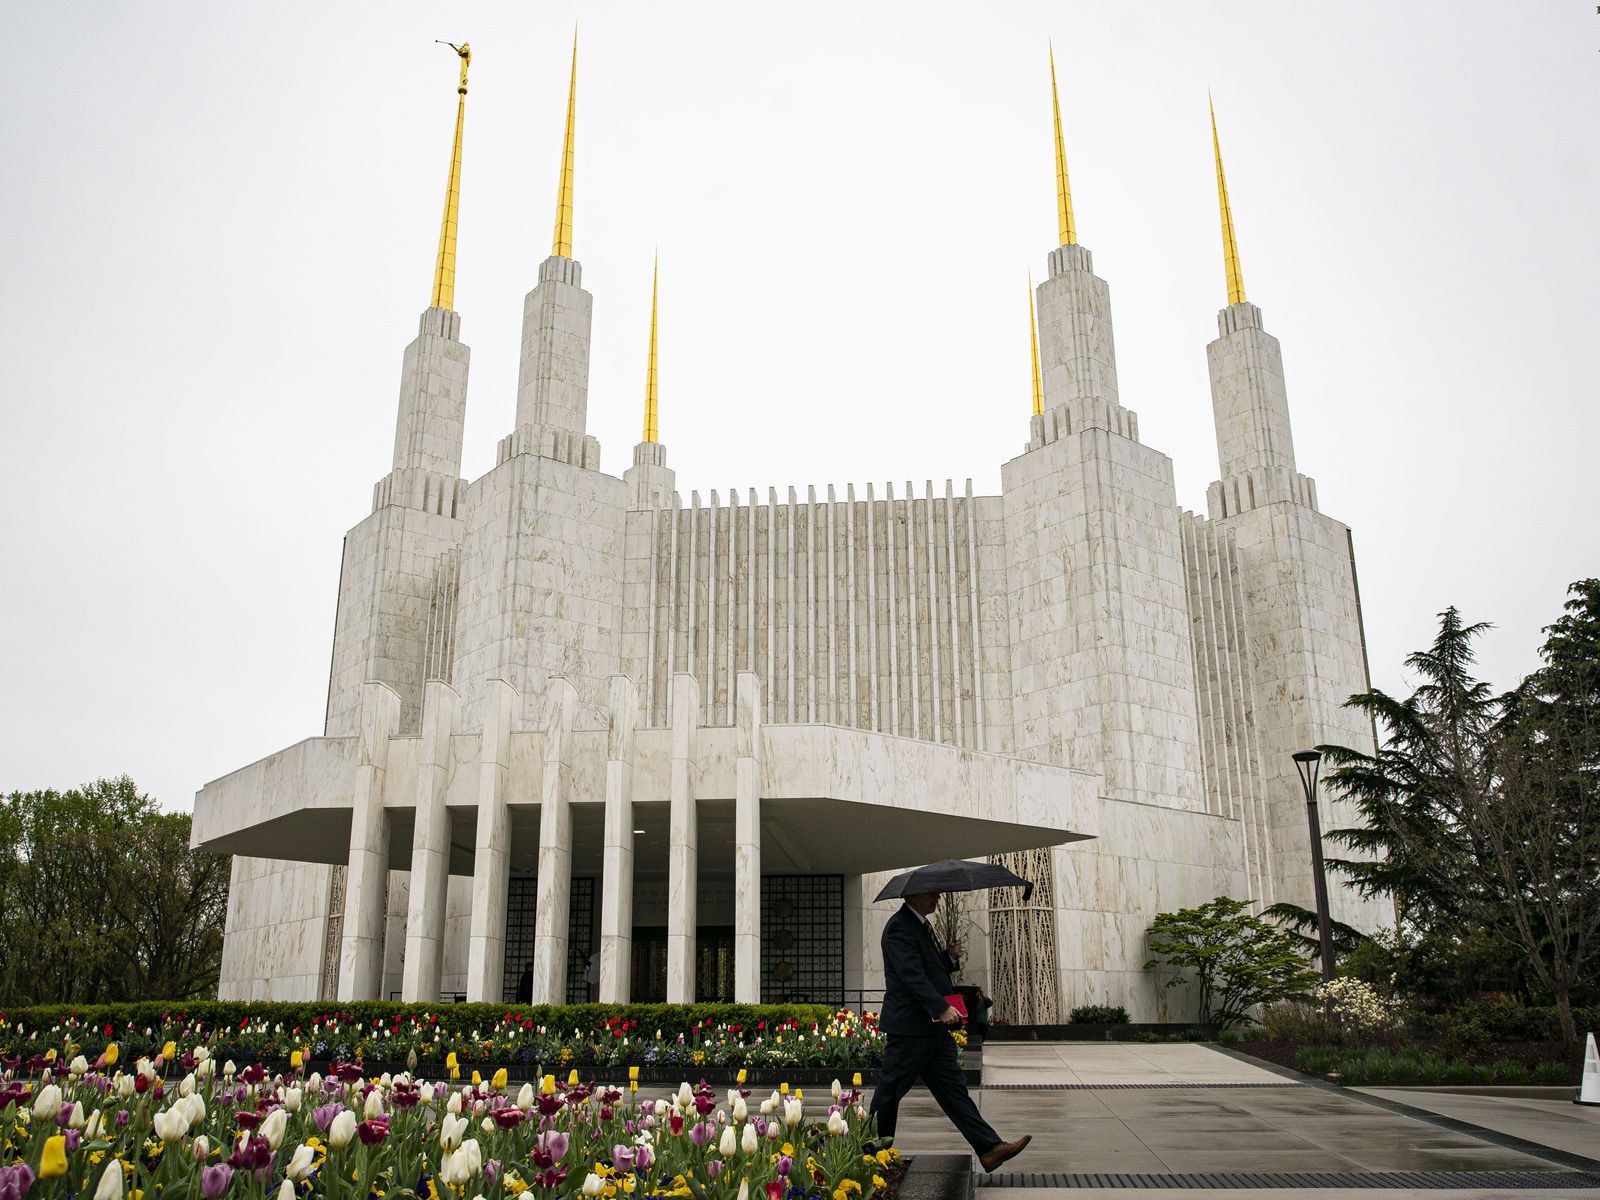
(122, 1117)
(554, 1144)
(214, 1181)
(324, 1115)
(15, 1181)
(622, 1157)
(65, 1115)
(491, 1172)
(714, 1167)
(702, 1134)
(785, 1165)
(643, 1157)
(74, 1138)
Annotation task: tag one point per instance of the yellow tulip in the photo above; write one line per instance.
(111, 1054)
(476, 1079)
(633, 1085)
(499, 1080)
(50, 1054)
(297, 1060)
(855, 1080)
(572, 1078)
(450, 1060)
(633, 1073)
(784, 1088)
(169, 1051)
(547, 1085)
(53, 1162)
(741, 1074)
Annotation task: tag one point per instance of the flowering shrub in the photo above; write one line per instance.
(463, 1035)
(180, 1125)
(1343, 1009)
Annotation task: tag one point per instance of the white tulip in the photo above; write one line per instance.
(685, 1096)
(836, 1124)
(201, 1054)
(739, 1110)
(374, 1106)
(186, 1085)
(451, 1130)
(729, 1143)
(342, 1129)
(74, 1116)
(385, 1082)
(96, 1125)
(195, 1106)
(123, 1085)
(487, 1124)
(300, 1163)
(525, 1097)
(315, 1082)
(171, 1124)
(80, 1066)
(200, 1148)
(205, 1069)
(794, 1111)
(460, 1165)
(228, 1069)
(836, 1089)
(593, 1185)
(110, 1182)
(425, 1093)
(272, 1128)
(744, 1189)
(292, 1098)
(748, 1143)
(453, 1105)
(286, 1190)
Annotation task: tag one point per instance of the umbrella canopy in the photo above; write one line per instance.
(953, 875)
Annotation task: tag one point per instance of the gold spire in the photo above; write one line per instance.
(1069, 231)
(562, 246)
(444, 270)
(1033, 338)
(1230, 247)
(651, 397)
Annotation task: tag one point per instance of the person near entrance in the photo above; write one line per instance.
(916, 1020)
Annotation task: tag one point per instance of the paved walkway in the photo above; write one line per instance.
(1558, 1123)
(1186, 1109)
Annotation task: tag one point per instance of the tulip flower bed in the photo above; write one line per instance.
(210, 1132)
(666, 1041)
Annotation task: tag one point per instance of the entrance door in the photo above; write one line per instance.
(713, 976)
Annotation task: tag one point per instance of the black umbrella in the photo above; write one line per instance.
(953, 875)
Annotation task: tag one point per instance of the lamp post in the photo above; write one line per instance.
(1307, 762)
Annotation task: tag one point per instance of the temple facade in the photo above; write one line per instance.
(630, 744)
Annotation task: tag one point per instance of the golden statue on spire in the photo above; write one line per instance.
(561, 246)
(444, 270)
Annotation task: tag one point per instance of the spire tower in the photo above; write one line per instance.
(1033, 343)
(562, 244)
(1067, 227)
(444, 270)
(651, 397)
(1230, 245)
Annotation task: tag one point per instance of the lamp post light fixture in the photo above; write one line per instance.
(1307, 762)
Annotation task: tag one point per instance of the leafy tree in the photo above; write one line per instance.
(104, 900)
(1238, 960)
(1479, 810)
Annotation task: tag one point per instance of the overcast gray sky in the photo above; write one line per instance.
(221, 220)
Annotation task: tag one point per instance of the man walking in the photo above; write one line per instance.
(916, 1021)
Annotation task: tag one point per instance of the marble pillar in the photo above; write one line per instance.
(555, 847)
(430, 847)
(747, 842)
(683, 854)
(616, 888)
(491, 863)
(361, 949)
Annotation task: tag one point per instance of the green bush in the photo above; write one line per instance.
(1550, 1072)
(1457, 1071)
(376, 1031)
(1098, 1014)
(1316, 1060)
(1507, 1070)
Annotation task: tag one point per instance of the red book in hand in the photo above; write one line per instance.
(959, 1003)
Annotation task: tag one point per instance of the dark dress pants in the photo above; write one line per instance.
(907, 1058)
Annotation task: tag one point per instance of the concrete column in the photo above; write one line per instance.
(361, 950)
(683, 849)
(430, 848)
(555, 848)
(616, 884)
(491, 863)
(747, 842)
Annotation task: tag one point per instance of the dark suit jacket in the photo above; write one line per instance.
(916, 976)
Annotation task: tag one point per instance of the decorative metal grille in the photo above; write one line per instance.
(522, 894)
(802, 939)
(1022, 942)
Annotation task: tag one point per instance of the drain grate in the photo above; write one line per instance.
(1121, 1087)
(1511, 1180)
